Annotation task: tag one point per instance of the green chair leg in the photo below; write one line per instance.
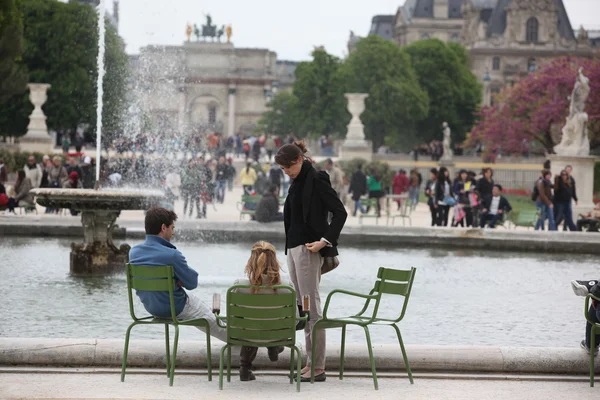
(172, 376)
(404, 356)
(168, 347)
(342, 352)
(299, 369)
(125, 351)
(221, 366)
(291, 366)
(371, 361)
(208, 353)
(229, 364)
(592, 347)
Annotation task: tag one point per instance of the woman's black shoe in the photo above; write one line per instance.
(318, 378)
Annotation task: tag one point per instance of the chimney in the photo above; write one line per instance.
(116, 11)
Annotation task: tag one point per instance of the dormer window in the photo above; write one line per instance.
(531, 30)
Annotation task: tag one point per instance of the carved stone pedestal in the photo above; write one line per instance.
(37, 139)
(98, 255)
(355, 145)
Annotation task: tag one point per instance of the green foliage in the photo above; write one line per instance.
(283, 116)
(61, 48)
(13, 75)
(454, 92)
(385, 171)
(396, 103)
(319, 91)
(17, 160)
(116, 64)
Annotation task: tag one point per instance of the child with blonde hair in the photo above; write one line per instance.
(262, 269)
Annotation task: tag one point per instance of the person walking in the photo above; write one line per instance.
(564, 194)
(544, 201)
(221, 179)
(358, 188)
(309, 238)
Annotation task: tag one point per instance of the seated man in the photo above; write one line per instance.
(157, 250)
(267, 209)
(591, 219)
(494, 207)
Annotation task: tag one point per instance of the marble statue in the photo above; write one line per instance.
(447, 142)
(228, 32)
(188, 31)
(574, 141)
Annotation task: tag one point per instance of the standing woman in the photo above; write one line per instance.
(248, 178)
(309, 238)
(443, 194)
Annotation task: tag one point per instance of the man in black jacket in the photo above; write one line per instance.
(494, 207)
(358, 187)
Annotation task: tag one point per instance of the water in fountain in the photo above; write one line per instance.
(101, 48)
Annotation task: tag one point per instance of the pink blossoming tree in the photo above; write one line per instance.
(532, 112)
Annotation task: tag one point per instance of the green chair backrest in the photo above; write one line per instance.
(150, 279)
(260, 320)
(394, 282)
(251, 199)
(372, 202)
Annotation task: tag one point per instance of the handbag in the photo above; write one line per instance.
(449, 201)
(329, 264)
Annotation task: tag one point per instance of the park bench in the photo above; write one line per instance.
(247, 206)
(526, 219)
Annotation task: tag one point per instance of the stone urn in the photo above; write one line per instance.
(355, 145)
(37, 139)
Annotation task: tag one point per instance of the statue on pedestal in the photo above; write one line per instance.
(575, 140)
(228, 32)
(447, 142)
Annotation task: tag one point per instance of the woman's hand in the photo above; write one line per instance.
(314, 247)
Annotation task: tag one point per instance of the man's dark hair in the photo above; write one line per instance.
(545, 172)
(156, 217)
(498, 186)
(434, 171)
(329, 161)
(359, 167)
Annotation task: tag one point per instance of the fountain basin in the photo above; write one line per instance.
(98, 255)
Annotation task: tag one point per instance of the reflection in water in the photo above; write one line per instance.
(467, 297)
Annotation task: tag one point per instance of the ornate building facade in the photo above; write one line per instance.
(207, 86)
(506, 38)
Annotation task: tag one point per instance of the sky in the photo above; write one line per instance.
(290, 28)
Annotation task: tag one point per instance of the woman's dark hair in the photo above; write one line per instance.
(442, 174)
(248, 164)
(288, 153)
(20, 179)
(156, 217)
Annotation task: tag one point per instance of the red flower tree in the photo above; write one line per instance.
(532, 112)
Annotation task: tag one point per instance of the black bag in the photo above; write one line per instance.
(534, 192)
(329, 264)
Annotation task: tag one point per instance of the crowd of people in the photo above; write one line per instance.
(49, 173)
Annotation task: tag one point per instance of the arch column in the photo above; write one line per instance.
(181, 109)
(231, 110)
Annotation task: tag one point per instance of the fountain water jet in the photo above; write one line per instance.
(99, 208)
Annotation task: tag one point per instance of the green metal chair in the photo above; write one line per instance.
(390, 281)
(159, 279)
(371, 204)
(261, 320)
(595, 326)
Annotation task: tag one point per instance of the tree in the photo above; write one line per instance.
(13, 75)
(319, 91)
(116, 65)
(282, 117)
(453, 90)
(396, 102)
(61, 48)
(534, 110)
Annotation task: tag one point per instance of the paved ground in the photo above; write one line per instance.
(145, 384)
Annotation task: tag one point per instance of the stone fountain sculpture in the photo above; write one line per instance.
(98, 255)
(355, 145)
(574, 147)
(37, 139)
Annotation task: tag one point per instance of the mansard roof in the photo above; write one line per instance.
(424, 9)
(382, 25)
(497, 21)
